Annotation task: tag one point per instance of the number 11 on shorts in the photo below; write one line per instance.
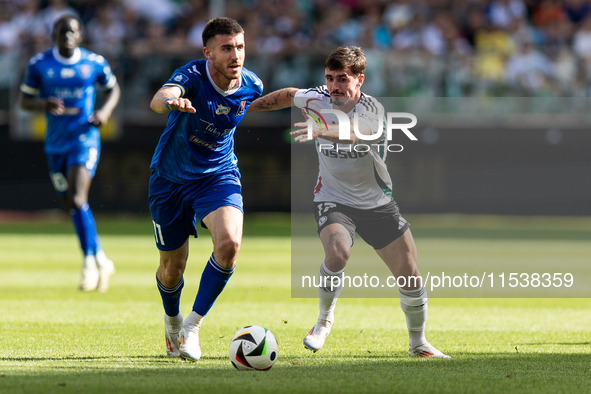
(158, 233)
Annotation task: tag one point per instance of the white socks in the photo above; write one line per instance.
(89, 262)
(412, 302)
(328, 295)
(98, 260)
(174, 323)
(193, 321)
(414, 306)
(101, 259)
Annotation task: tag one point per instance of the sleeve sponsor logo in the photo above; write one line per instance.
(180, 78)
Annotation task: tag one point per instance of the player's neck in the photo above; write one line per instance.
(221, 80)
(348, 107)
(67, 52)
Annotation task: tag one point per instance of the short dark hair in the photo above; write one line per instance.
(346, 56)
(220, 26)
(65, 18)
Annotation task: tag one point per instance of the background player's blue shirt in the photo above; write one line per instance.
(196, 145)
(71, 79)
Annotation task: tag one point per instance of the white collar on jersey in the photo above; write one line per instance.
(217, 88)
(75, 58)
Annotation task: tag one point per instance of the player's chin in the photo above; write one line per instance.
(234, 72)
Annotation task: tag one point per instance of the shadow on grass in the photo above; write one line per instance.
(468, 372)
(94, 358)
(555, 343)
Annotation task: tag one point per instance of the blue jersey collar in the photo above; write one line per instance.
(217, 88)
(75, 58)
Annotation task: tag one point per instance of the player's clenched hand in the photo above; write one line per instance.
(181, 104)
(55, 106)
(99, 118)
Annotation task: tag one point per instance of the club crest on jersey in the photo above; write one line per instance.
(85, 71)
(222, 110)
(241, 109)
(67, 73)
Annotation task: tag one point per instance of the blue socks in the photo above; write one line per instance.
(213, 281)
(171, 297)
(86, 229)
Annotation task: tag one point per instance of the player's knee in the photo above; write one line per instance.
(227, 250)
(173, 271)
(338, 255)
(75, 201)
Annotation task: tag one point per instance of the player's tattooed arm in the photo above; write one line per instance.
(168, 98)
(279, 99)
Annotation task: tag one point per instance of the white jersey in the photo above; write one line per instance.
(350, 174)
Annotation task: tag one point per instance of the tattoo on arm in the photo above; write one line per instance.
(274, 100)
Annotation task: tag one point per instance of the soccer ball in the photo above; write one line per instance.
(253, 348)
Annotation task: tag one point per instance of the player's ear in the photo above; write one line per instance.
(207, 52)
(360, 79)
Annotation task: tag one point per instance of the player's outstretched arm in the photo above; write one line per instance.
(101, 116)
(169, 98)
(279, 99)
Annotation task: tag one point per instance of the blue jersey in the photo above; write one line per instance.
(71, 79)
(194, 146)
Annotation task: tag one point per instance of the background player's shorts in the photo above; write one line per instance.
(378, 227)
(176, 207)
(59, 164)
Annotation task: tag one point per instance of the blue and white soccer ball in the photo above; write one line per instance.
(253, 348)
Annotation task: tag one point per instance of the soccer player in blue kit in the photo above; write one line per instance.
(60, 82)
(194, 176)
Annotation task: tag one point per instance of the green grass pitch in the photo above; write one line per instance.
(56, 339)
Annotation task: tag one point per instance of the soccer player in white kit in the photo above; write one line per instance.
(354, 192)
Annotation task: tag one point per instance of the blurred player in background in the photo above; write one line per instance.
(194, 175)
(61, 82)
(354, 193)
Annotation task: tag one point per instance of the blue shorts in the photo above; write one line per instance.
(176, 207)
(60, 163)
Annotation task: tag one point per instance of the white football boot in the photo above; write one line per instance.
(106, 270)
(317, 335)
(188, 340)
(426, 350)
(172, 327)
(90, 275)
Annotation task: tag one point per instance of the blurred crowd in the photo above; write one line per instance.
(414, 47)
